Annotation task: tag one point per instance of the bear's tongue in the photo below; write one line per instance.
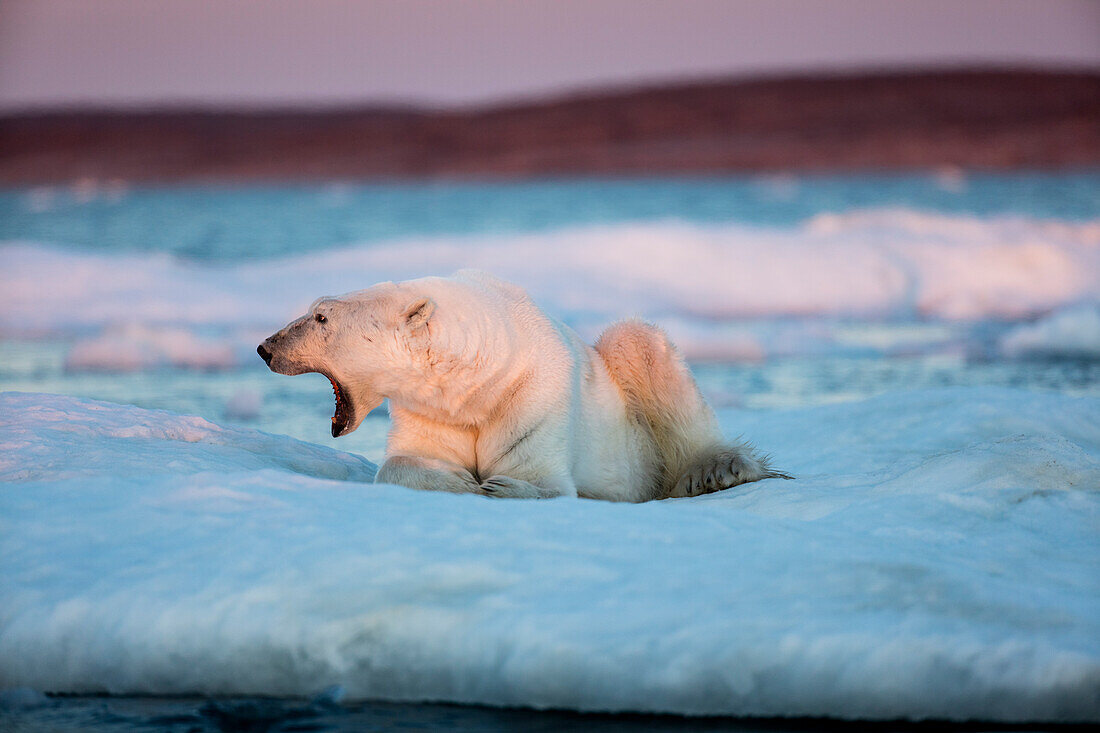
(341, 418)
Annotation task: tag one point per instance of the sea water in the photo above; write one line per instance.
(782, 291)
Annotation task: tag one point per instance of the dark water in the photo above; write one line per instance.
(199, 715)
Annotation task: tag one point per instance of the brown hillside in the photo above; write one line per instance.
(986, 120)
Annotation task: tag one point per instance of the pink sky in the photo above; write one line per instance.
(263, 52)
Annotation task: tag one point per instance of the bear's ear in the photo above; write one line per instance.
(418, 313)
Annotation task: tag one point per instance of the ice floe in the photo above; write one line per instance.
(938, 556)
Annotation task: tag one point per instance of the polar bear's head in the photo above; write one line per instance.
(408, 341)
(361, 341)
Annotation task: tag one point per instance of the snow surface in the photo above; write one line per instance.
(938, 556)
(693, 278)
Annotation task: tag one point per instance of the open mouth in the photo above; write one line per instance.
(343, 419)
(343, 413)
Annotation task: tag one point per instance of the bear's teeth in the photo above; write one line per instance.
(340, 418)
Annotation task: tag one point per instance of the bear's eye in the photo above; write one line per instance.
(319, 318)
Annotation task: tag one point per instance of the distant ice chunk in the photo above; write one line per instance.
(245, 404)
(1071, 332)
(951, 179)
(134, 346)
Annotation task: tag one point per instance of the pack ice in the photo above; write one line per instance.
(938, 557)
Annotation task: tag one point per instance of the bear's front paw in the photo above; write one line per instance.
(426, 473)
(513, 488)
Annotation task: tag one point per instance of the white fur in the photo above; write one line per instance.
(490, 395)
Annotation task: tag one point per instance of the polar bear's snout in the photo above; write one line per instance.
(299, 349)
(268, 351)
(290, 352)
(280, 352)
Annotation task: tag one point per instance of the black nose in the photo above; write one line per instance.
(264, 354)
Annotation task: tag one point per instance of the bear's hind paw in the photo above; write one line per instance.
(723, 470)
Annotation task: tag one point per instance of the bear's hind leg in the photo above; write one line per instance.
(721, 469)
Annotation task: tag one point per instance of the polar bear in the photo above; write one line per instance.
(490, 395)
